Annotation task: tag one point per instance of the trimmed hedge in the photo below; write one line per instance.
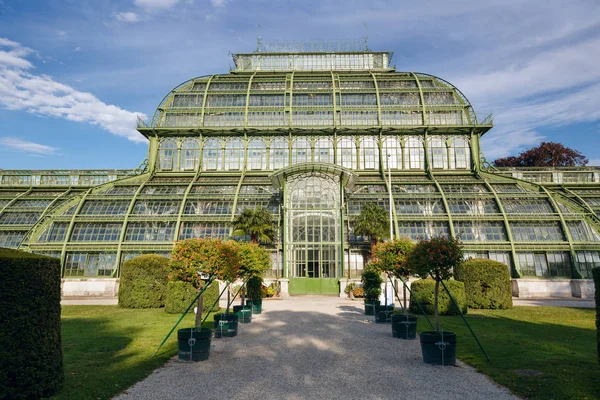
(31, 358)
(596, 275)
(487, 283)
(143, 282)
(180, 295)
(423, 292)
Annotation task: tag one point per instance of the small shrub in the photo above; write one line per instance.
(487, 283)
(143, 282)
(423, 292)
(350, 287)
(596, 275)
(358, 292)
(371, 283)
(180, 295)
(31, 358)
(273, 289)
(254, 288)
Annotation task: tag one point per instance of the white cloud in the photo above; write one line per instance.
(155, 5)
(219, 3)
(40, 94)
(127, 17)
(24, 146)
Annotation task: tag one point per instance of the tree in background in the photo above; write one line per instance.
(373, 221)
(547, 154)
(258, 223)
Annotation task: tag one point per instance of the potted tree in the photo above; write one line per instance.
(371, 284)
(436, 258)
(391, 256)
(254, 262)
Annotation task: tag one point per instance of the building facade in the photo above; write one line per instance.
(312, 137)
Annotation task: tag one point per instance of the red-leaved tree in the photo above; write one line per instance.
(547, 154)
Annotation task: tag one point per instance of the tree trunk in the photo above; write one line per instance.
(254, 238)
(435, 302)
(243, 295)
(228, 299)
(404, 296)
(199, 310)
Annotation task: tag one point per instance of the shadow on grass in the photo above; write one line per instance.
(525, 340)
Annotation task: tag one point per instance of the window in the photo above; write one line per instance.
(208, 207)
(423, 229)
(480, 231)
(369, 153)
(416, 153)
(167, 155)
(301, 151)
(473, 206)
(156, 207)
(582, 232)
(190, 230)
(527, 206)
(545, 265)
(95, 207)
(346, 152)
(190, 155)
(587, 260)
(19, 218)
(11, 239)
(392, 152)
(257, 154)
(212, 155)
(56, 232)
(429, 206)
(460, 153)
(438, 153)
(324, 150)
(96, 232)
(150, 231)
(234, 154)
(279, 151)
(90, 264)
(536, 231)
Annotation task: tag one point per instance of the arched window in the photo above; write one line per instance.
(369, 153)
(212, 155)
(324, 150)
(460, 153)
(279, 152)
(392, 147)
(234, 154)
(301, 151)
(438, 152)
(346, 152)
(257, 154)
(415, 152)
(167, 155)
(190, 155)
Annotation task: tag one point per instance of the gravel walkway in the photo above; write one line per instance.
(314, 348)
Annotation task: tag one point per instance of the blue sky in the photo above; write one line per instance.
(75, 73)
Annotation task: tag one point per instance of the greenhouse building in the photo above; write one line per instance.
(313, 137)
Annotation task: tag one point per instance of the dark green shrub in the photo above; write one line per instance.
(423, 292)
(371, 283)
(254, 288)
(487, 283)
(143, 282)
(596, 275)
(180, 295)
(31, 359)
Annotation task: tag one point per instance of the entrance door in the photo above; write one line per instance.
(312, 233)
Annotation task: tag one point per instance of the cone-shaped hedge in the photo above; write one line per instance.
(487, 283)
(31, 360)
(143, 282)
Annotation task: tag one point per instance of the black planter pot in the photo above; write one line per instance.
(383, 314)
(226, 325)
(244, 313)
(256, 306)
(370, 306)
(404, 326)
(438, 348)
(194, 344)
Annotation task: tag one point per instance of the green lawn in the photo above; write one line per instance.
(107, 349)
(558, 342)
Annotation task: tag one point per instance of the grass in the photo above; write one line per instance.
(560, 343)
(107, 349)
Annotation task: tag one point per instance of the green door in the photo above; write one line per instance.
(312, 234)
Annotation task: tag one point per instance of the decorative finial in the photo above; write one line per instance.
(366, 38)
(258, 40)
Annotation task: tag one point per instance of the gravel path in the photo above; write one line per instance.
(314, 348)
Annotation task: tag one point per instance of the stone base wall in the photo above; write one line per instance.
(565, 288)
(74, 287)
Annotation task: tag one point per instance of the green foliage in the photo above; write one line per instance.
(596, 275)
(547, 154)
(373, 221)
(258, 223)
(254, 260)
(371, 283)
(180, 295)
(211, 256)
(31, 358)
(273, 289)
(143, 282)
(487, 283)
(390, 256)
(423, 292)
(350, 287)
(254, 288)
(435, 257)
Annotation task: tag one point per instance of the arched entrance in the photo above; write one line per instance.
(313, 242)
